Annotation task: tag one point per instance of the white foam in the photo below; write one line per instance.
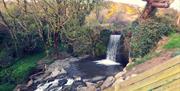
(69, 82)
(107, 62)
(45, 86)
(54, 83)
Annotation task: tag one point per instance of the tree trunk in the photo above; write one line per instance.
(56, 43)
(152, 6)
(148, 11)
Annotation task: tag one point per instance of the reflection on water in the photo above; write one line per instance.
(90, 69)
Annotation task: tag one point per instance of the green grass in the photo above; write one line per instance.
(19, 71)
(142, 60)
(174, 42)
(7, 87)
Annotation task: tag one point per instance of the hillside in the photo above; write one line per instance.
(88, 45)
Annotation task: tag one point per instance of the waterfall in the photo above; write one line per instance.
(107, 66)
(111, 51)
(112, 47)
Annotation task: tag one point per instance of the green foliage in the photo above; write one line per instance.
(24, 66)
(101, 44)
(19, 71)
(41, 28)
(6, 87)
(100, 49)
(146, 34)
(34, 29)
(5, 58)
(174, 42)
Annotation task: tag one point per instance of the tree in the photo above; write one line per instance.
(151, 7)
(49, 20)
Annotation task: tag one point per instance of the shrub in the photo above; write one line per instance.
(147, 33)
(18, 72)
(6, 87)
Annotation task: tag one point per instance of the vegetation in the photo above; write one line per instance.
(58, 27)
(143, 59)
(29, 31)
(174, 41)
(18, 72)
(172, 45)
(146, 34)
(7, 87)
(33, 30)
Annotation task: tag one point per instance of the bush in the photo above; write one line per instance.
(101, 44)
(147, 33)
(18, 72)
(6, 87)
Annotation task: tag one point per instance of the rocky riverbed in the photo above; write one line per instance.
(72, 74)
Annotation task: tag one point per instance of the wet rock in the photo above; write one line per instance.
(78, 78)
(120, 74)
(95, 79)
(99, 83)
(98, 78)
(122, 55)
(56, 72)
(55, 69)
(62, 82)
(77, 84)
(87, 89)
(82, 89)
(30, 83)
(21, 88)
(66, 88)
(90, 87)
(108, 82)
(121, 79)
(54, 89)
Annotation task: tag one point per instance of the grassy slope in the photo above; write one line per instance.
(18, 72)
(174, 42)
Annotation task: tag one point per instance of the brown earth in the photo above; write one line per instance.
(149, 64)
(164, 56)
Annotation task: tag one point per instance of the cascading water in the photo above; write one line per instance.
(112, 47)
(89, 70)
(111, 51)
